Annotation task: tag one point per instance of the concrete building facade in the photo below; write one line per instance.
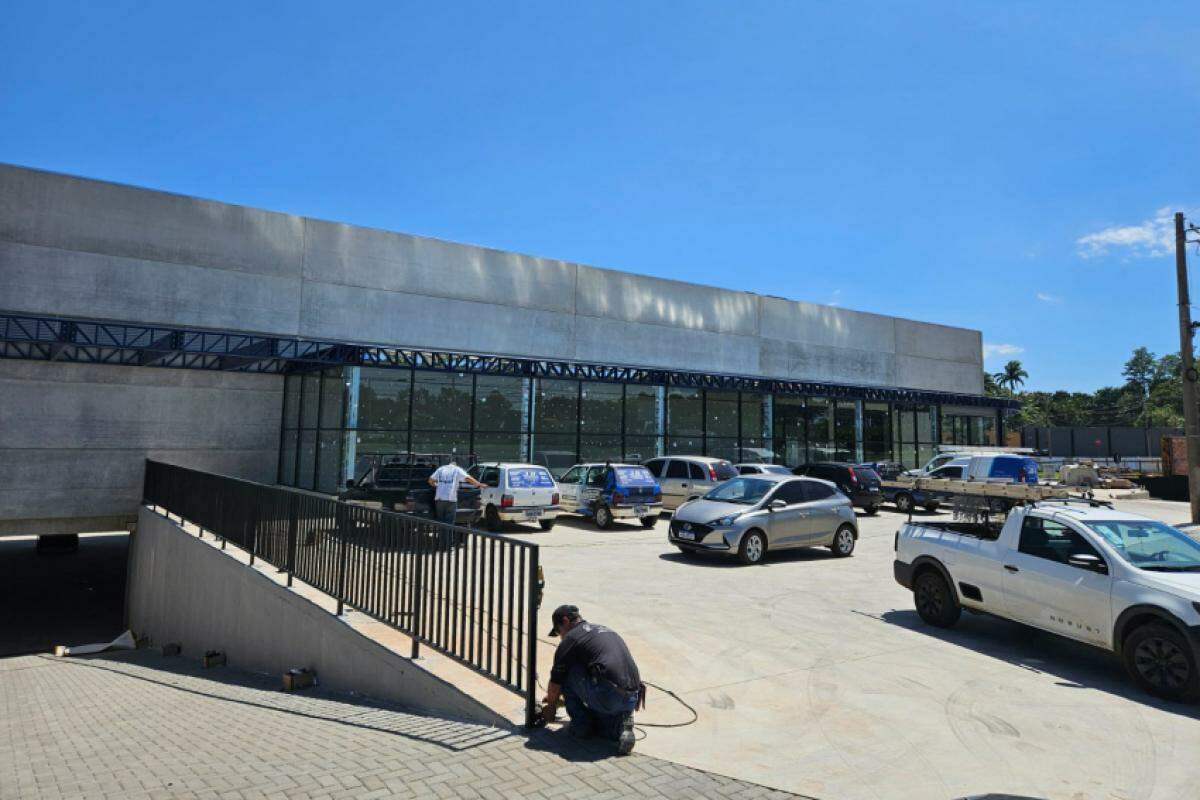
(75, 249)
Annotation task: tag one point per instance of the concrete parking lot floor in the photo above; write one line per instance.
(815, 675)
(136, 725)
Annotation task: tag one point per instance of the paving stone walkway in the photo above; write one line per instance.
(137, 725)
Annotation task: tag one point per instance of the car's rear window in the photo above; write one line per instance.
(867, 473)
(634, 476)
(724, 470)
(530, 478)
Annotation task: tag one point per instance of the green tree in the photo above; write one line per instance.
(1012, 376)
(1140, 369)
(990, 388)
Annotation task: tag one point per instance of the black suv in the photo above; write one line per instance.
(859, 482)
(400, 482)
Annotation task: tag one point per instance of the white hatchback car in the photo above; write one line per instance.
(517, 493)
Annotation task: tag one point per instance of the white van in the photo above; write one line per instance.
(517, 493)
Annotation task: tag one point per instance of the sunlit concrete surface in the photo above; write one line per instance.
(815, 675)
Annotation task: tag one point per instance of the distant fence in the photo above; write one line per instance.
(1097, 442)
(470, 595)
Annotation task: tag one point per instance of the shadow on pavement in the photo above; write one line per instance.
(1078, 665)
(730, 560)
(232, 685)
(561, 743)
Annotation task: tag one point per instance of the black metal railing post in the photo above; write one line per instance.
(341, 524)
(415, 633)
(531, 662)
(293, 524)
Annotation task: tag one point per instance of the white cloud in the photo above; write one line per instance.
(1001, 350)
(1152, 238)
(1049, 298)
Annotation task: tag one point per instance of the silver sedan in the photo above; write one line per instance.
(752, 514)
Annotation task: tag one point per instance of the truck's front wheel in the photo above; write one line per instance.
(1160, 661)
(935, 600)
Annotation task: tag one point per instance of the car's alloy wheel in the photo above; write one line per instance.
(935, 601)
(843, 542)
(604, 517)
(752, 548)
(1161, 664)
(904, 502)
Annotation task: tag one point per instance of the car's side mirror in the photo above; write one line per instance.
(775, 505)
(1088, 561)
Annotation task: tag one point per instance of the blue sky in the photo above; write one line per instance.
(997, 165)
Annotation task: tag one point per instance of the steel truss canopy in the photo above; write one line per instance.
(41, 338)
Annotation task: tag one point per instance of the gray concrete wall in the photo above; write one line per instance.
(184, 590)
(80, 247)
(74, 437)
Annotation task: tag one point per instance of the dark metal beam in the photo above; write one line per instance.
(28, 337)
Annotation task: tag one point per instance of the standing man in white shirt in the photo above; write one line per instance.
(445, 480)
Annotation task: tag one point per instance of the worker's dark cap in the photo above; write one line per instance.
(570, 612)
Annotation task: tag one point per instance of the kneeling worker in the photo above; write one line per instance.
(596, 676)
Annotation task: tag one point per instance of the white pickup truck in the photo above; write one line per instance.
(1119, 581)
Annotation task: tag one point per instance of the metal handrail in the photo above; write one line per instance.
(468, 594)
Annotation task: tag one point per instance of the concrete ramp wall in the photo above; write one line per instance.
(187, 590)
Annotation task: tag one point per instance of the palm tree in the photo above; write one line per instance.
(1012, 376)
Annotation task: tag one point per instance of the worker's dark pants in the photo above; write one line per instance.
(596, 703)
(445, 511)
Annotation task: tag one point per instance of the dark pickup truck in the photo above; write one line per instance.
(400, 482)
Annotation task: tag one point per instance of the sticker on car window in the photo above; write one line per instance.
(530, 479)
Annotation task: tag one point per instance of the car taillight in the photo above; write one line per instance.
(853, 477)
(712, 473)
(618, 497)
(554, 499)
(506, 500)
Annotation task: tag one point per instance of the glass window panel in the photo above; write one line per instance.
(908, 425)
(723, 447)
(755, 450)
(685, 416)
(555, 451)
(308, 457)
(308, 403)
(600, 447)
(753, 417)
(333, 394)
(601, 409)
(383, 398)
(500, 446)
(925, 418)
(845, 434)
(684, 445)
(499, 403)
(642, 448)
(442, 402)
(877, 451)
(330, 443)
(988, 433)
(556, 408)
(441, 442)
(722, 410)
(908, 456)
(925, 452)
(820, 420)
(291, 403)
(877, 423)
(287, 468)
(369, 443)
(790, 423)
(643, 410)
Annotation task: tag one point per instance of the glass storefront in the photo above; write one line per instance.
(334, 420)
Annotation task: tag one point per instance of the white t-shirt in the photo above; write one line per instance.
(448, 478)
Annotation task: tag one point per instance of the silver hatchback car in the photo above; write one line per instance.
(752, 514)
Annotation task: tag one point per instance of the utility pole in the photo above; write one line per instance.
(1191, 413)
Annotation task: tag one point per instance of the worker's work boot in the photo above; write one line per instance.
(625, 740)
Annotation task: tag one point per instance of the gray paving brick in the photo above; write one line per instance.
(135, 725)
